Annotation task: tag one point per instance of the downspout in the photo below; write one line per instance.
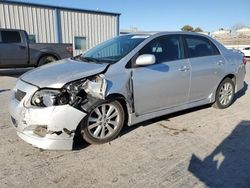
(118, 25)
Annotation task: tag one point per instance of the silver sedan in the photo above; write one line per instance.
(125, 80)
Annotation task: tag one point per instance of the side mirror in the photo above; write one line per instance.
(145, 59)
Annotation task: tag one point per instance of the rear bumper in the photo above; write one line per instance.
(240, 77)
(44, 127)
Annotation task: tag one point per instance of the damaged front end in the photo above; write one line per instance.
(74, 93)
(48, 118)
(85, 92)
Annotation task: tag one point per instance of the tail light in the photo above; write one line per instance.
(244, 60)
(69, 49)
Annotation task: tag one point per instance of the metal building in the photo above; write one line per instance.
(53, 24)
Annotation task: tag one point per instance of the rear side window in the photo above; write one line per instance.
(199, 46)
(165, 48)
(10, 37)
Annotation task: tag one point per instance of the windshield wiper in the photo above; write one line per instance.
(86, 59)
(109, 60)
(89, 59)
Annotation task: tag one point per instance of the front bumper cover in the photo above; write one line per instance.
(60, 121)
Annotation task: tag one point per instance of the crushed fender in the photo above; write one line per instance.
(97, 87)
(86, 92)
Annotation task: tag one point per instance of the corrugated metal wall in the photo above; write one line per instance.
(34, 20)
(40, 22)
(96, 28)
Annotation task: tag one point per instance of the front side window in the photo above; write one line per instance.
(11, 37)
(164, 48)
(199, 46)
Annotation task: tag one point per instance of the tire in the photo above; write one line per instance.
(224, 94)
(46, 59)
(99, 129)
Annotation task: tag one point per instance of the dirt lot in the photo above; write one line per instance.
(203, 147)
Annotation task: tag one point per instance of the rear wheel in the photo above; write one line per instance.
(103, 123)
(225, 94)
(46, 59)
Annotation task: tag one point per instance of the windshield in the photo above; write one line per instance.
(114, 49)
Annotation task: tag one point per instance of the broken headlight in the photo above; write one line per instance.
(94, 86)
(49, 97)
(75, 87)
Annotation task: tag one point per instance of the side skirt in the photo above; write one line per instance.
(137, 119)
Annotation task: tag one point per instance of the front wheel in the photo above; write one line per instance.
(103, 123)
(224, 94)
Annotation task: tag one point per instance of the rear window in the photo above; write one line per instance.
(10, 37)
(200, 46)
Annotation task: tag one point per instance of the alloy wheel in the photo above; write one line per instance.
(103, 121)
(226, 93)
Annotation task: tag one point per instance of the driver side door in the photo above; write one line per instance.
(166, 83)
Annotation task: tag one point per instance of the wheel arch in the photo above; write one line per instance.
(231, 76)
(215, 104)
(78, 139)
(47, 54)
(122, 100)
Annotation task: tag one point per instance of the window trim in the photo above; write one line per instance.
(206, 39)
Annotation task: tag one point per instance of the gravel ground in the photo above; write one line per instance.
(202, 147)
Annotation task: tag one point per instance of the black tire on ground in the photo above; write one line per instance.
(88, 133)
(46, 59)
(219, 92)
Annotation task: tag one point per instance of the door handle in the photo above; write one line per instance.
(22, 47)
(184, 68)
(221, 62)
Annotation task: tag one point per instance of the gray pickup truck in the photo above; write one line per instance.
(16, 51)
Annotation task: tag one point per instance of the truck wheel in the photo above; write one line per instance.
(103, 123)
(46, 59)
(224, 94)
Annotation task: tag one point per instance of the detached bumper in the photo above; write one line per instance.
(44, 127)
(46, 143)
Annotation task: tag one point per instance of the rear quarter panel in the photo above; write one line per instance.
(235, 66)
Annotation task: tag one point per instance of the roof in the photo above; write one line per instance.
(60, 7)
(167, 33)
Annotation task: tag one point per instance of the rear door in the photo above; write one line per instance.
(166, 83)
(207, 66)
(13, 49)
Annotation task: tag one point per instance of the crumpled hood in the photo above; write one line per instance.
(55, 75)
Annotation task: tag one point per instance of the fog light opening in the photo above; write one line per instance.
(40, 130)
